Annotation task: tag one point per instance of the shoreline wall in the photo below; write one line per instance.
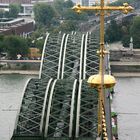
(19, 66)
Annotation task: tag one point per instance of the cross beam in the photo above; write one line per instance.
(102, 81)
(125, 8)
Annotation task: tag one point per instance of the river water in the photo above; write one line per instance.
(126, 102)
(11, 91)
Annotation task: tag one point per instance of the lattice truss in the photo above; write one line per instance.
(51, 55)
(86, 117)
(68, 105)
(72, 57)
(92, 60)
(65, 108)
(59, 121)
(29, 118)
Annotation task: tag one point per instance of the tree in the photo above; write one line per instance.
(14, 45)
(125, 27)
(126, 40)
(39, 44)
(64, 10)
(135, 32)
(68, 4)
(69, 14)
(14, 10)
(1, 13)
(58, 6)
(43, 14)
(68, 26)
(113, 32)
(120, 2)
(1, 43)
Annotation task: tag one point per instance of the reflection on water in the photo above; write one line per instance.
(11, 90)
(126, 102)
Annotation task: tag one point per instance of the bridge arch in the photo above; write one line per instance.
(60, 104)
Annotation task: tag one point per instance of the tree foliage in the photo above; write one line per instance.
(120, 2)
(63, 9)
(44, 14)
(1, 43)
(68, 26)
(135, 32)
(14, 10)
(69, 14)
(126, 40)
(113, 32)
(14, 45)
(1, 13)
(61, 6)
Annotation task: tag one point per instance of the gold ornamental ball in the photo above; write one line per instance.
(95, 81)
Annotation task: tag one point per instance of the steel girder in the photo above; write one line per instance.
(71, 59)
(92, 59)
(29, 120)
(56, 108)
(67, 105)
(70, 56)
(86, 117)
(51, 51)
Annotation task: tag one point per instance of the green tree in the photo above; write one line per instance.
(1, 43)
(15, 45)
(39, 44)
(68, 26)
(63, 8)
(1, 13)
(68, 4)
(126, 40)
(14, 10)
(69, 14)
(43, 14)
(59, 6)
(113, 32)
(120, 2)
(135, 32)
(125, 27)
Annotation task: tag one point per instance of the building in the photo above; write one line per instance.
(27, 5)
(34, 1)
(85, 2)
(92, 2)
(15, 1)
(17, 27)
(34, 53)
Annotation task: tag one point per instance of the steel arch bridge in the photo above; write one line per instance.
(60, 105)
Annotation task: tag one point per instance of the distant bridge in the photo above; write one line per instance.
(60, 105)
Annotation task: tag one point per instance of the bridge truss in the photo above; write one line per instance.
(60, 105)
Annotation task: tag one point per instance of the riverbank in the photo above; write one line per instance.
(35, 72)
(126, 74)
(24, 72)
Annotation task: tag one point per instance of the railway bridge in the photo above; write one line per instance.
(60, 105)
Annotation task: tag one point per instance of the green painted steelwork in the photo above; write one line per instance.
(60, 105)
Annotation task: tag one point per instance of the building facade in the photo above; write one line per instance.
(92, 2)
(17, 27)
(15, 1)
(84, 2)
